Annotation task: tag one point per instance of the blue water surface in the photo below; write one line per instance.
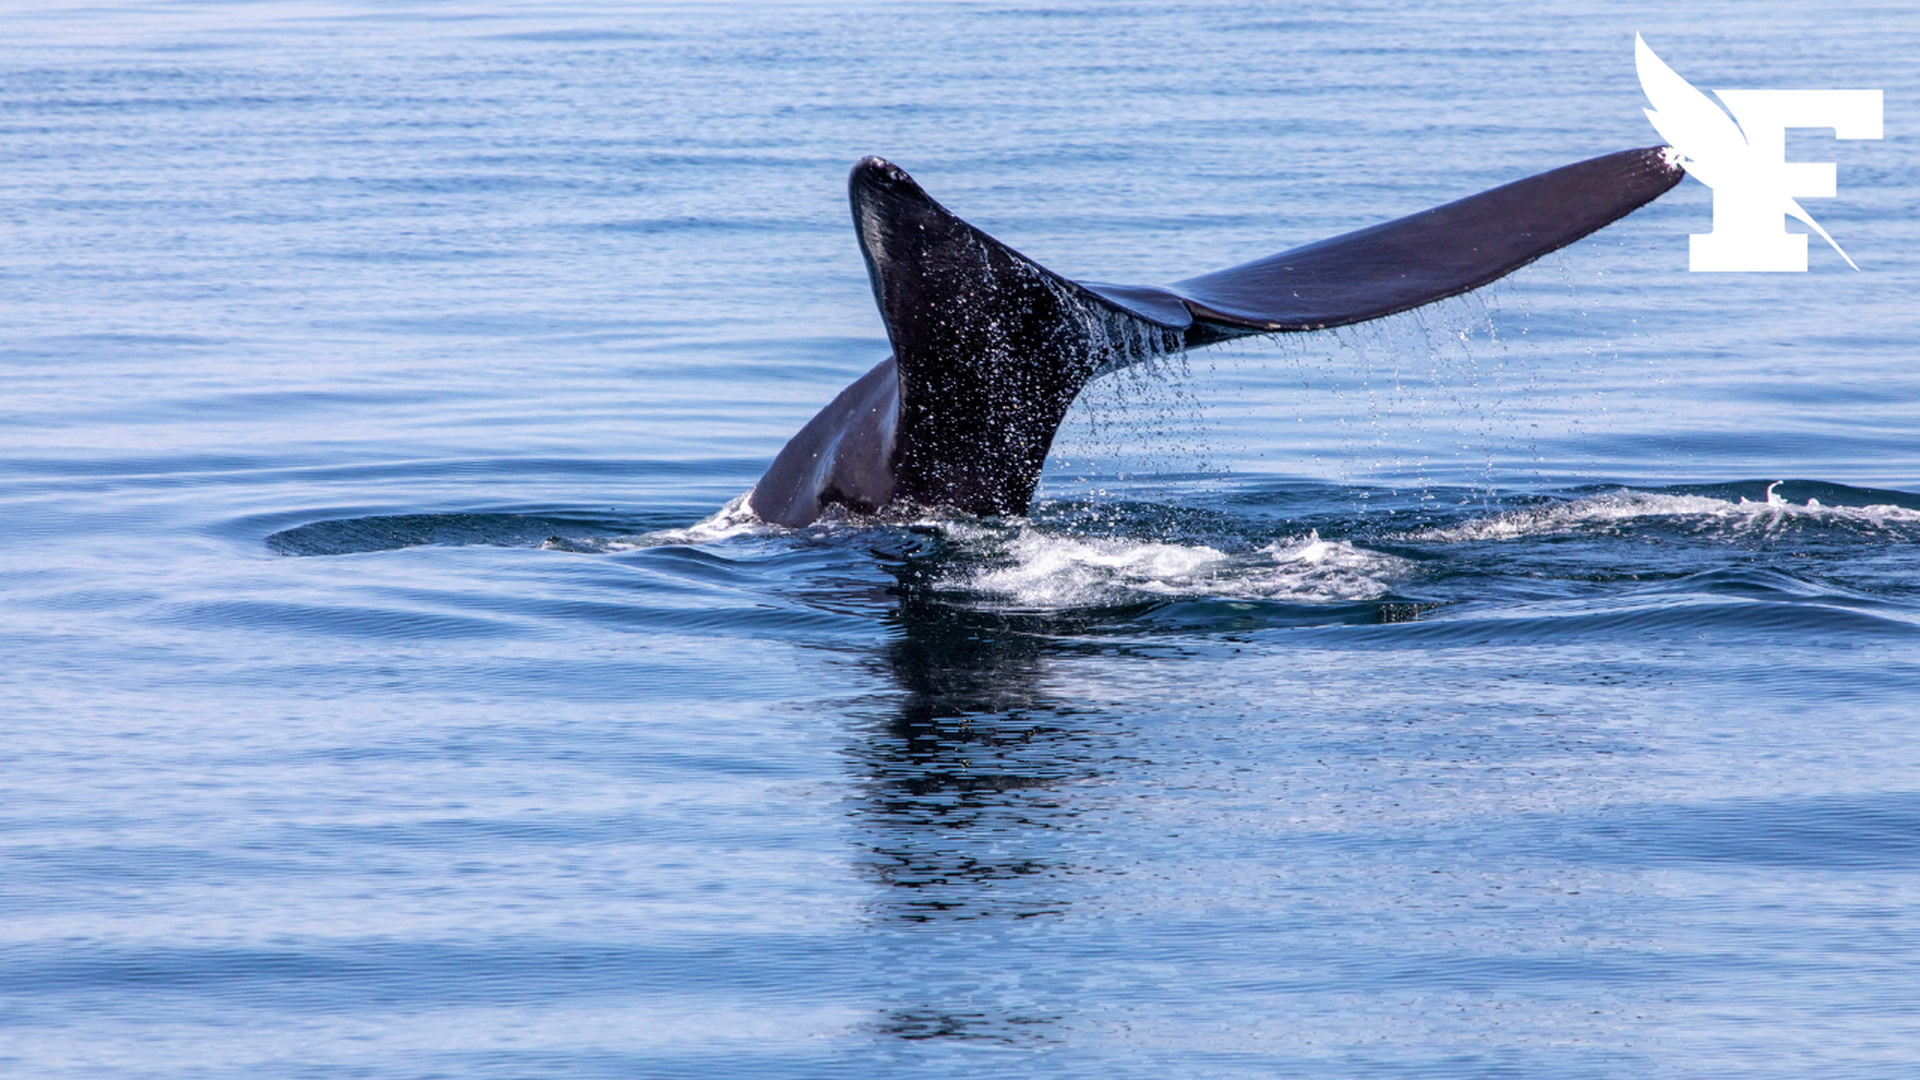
(1521, 687)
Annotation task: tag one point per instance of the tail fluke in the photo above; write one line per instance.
(1415, 260)
(991, 347)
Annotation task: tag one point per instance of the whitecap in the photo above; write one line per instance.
(1040, 569)
(1697, 513)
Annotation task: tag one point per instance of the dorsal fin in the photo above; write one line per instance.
(991, 347)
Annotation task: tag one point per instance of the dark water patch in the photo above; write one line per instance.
(391, 532)
(1225, 616)
(1751, 623)
(324, 621)
(683, 674)
(607, 746)
(959, 1026)
(966, 770)
(714, 617)
(345, 975)
(1868, 832)
(954, 632)
(697, 562)
(1765, 584)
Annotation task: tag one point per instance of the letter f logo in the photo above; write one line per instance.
(1745, 163)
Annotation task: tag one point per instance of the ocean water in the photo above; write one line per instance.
(1522, 687)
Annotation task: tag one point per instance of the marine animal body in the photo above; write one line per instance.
(990, 348)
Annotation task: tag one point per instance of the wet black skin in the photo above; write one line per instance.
(990, 348)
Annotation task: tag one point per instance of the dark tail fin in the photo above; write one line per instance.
(991, 347)
(1428, 256)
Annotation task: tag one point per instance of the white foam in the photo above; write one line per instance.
(1035, 568)
(1699, 513)
(734, 519)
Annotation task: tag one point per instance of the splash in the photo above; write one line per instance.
(737, 519)
(1617, 511)
(732, 520)
(1039, 569)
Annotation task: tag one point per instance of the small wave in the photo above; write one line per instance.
(734, 519)
(737, 519)
(392, 532)
(1034, 568)
(1617, 511)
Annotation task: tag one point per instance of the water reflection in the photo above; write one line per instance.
(968, 777)
(988, 785)
(974, 780)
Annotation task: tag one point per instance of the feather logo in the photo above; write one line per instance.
(1740, 153)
